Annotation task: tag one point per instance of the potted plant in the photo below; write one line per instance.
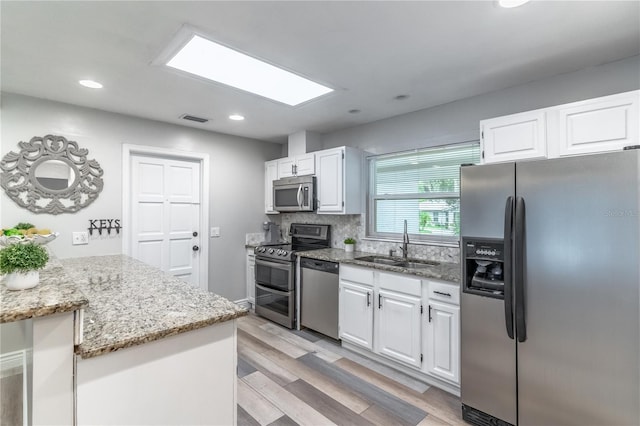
(349, 244)
(22, 264)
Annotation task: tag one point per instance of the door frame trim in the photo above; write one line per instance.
(128, 150)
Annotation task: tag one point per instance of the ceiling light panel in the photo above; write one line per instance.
(215, 62)
(90, 84)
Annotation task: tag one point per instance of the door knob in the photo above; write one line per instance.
(195, 248)
(195, 233)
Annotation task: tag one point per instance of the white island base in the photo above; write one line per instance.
(189, 378)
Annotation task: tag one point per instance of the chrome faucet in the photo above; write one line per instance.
(405, 241)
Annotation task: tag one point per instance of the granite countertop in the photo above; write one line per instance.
(443, 271)
(131, 303)
(54, 294)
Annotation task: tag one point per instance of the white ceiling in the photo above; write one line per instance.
(370, 52)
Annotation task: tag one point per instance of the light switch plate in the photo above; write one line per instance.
(80, 238)
(215, 232)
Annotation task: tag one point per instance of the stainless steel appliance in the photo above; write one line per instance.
(550, 319)
(294, 194)
(276, 270)
(319, 296)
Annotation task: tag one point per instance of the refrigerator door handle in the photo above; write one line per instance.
(508, 270)
(521, 328)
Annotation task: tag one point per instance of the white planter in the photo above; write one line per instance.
(349, 248)
(22, 281)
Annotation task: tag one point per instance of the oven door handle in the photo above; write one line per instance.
(278, 265)
(271, 290)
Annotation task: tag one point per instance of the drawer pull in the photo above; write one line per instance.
(441, 293)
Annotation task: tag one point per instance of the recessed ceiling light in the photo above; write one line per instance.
(512, 3)
(90, 84)
(219, 63)
(236, 117)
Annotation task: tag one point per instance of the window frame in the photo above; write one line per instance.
(442, 240)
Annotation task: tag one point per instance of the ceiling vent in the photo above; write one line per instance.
(194, 118)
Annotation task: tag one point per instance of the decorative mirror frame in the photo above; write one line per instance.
(19, 181)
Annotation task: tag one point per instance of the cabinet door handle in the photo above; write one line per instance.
(429, 313)
(441, 293)
(368, 299)
(379, 301)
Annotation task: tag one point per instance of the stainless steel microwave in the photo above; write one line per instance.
(294, 194)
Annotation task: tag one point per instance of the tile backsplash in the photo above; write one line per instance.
(343, 226)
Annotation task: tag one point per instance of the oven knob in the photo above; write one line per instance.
(284, 252)
(271, 251)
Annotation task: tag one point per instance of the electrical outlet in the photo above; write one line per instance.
(80, 238)
(215, 232)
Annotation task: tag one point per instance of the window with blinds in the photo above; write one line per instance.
(420, 186)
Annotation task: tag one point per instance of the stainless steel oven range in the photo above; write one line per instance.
(276, 272)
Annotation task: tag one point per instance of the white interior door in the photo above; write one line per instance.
(165, 215)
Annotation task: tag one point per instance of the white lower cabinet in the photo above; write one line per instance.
(442, 341)
(251, 277)
(356, 314)
(398, 327)
(386, 314)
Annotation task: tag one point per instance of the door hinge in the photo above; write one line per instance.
(421, 310)
(420, 358)
(482, 134)
(483, 153)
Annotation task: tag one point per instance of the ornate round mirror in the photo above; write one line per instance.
(54, 175)
(51, 175)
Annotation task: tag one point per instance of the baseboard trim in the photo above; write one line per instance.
(430, 380)
(243, 302)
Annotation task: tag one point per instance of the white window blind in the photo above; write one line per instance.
(422, 187)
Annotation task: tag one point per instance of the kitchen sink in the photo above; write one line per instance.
(380, 260)
(410, 264)
(417, 264)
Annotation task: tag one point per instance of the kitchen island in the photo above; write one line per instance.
(146, 347)
(155, 350)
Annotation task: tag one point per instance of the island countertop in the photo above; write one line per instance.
(54, 294)
(131, 303)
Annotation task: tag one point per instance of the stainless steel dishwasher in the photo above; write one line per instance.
(319, 298)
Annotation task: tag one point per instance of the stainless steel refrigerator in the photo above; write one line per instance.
(550, 322)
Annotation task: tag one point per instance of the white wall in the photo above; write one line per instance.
(236, 182)
(458, 121)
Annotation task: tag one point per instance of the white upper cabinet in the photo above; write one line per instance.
(339, 181)
(608, 123)
(514, 137)
(270, 174)
(300, 165)
(603, 124)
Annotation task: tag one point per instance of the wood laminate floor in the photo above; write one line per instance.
(302, 378)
